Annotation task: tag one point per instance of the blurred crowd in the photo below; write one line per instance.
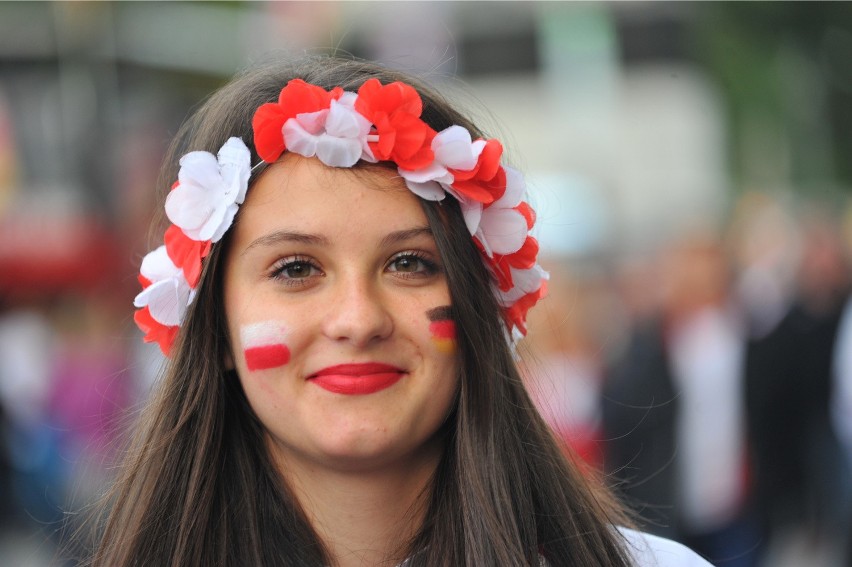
(711, 380)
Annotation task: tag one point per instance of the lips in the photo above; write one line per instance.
(357, 379)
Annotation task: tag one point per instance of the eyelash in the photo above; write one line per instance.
(279, 269)
(429, 267)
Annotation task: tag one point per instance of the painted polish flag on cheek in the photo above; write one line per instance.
(263, 345)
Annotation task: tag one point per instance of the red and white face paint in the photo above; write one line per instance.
(264, 346)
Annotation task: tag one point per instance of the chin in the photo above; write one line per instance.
(358, 453)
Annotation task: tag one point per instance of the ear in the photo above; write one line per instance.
(228, 359)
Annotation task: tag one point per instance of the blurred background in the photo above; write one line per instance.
(691, 164)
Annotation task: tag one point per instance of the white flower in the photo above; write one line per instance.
(500, 228)
(209, 191)
(453, 149)
(169, 294)
(337, 135)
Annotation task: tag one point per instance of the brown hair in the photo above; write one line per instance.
(200, 489)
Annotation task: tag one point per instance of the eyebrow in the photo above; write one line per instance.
(404, 235)
(280, 236)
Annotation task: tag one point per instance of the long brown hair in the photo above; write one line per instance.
(199, 488)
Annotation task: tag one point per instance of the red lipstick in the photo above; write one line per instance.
(357, 379)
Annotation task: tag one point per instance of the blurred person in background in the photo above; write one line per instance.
(800, 477)
(273, 441)
(63, 391)
(673, 407)
(90, 394)
(639, 405)
(706, 343)
(34, 470)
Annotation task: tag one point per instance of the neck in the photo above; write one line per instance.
(365, 517)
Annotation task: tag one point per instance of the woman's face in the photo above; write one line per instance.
(337, 309)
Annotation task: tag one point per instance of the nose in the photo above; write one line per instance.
(357, 313)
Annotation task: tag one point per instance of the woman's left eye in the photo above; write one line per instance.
(411, 263)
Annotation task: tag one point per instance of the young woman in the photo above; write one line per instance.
(339, 293)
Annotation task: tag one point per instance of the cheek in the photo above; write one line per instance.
(264, 345)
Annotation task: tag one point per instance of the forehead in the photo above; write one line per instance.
(303, 194)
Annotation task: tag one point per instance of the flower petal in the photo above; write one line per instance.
(338, 152)
(235, 166)
(515, 188)
(189, 206)
(266, 125)
(311, 122)
(471, 210)
(433, 172)
(343, 122)
(454, 149)
(526, 281)
(298, 139)
(199, 168)
(167, 300)
(505, 230)
(429, 190)
(186, 253)
(221, 227)
(156, 265)
(155, 332)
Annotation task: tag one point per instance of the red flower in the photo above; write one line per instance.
(503, 273)
(517, 314)
(186, 253)
(486, 182)
(394, 110)
(155, 332)
(523, 259)
(501, 265)
(296, 98)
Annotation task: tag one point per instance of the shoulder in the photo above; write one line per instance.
(652, 551)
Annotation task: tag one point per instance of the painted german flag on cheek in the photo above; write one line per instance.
(442, 328)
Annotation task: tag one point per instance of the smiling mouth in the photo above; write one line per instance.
(357, 379)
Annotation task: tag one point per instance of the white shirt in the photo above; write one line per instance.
(841, 401)
(651, 551)
(708, 353)
(647, 550)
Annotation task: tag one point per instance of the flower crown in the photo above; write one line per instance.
(378, 123)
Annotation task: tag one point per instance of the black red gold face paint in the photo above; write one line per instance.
(442, 328)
